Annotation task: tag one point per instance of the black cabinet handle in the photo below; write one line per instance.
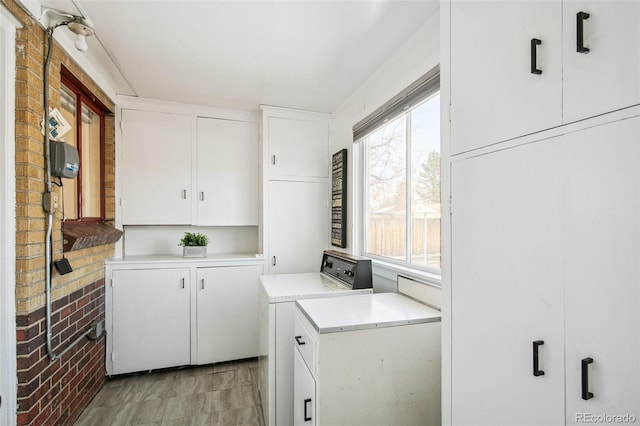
(299, 341)
(536, 370)
(273, 261)
(534, 56)
(580, 18)
(306, 416)
(585, 378)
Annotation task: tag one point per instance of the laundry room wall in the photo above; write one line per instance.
(52, 392)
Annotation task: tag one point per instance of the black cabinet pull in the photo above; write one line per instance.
(585, 378)
(536, 370)
(299, 341)
(306, 416)
(580, 18)
(534, 56)
(273, 261)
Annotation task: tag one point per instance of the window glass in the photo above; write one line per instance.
(402, 205)
(90, 163)
(387, 183)
(425, 184)
(70, 186)
(83, 196)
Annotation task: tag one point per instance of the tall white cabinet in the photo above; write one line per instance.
(546, 236)
(298, 226)
(296, 189)
(543, 285)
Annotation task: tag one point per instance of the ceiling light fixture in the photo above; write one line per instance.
(78, 25)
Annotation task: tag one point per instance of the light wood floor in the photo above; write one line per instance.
(222, 394)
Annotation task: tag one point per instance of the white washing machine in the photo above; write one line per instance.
(340, 275)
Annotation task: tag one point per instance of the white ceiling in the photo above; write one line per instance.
(301, 54)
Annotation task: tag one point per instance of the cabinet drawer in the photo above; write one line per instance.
(305, 342)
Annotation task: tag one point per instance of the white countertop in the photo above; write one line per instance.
(290, 287)
(176, 258)
(365, 311)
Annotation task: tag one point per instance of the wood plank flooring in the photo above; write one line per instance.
(223, 394)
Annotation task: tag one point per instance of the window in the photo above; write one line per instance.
(400, 182)
(83, 197)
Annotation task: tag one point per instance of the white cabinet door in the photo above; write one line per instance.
(227, 172)
(601, 181)
(507, 289)
(151, 319)
(298, 148)
(607, 77)
(227, 313)
(156, 168)
(494, 95)
(304, 404)
(298, 226)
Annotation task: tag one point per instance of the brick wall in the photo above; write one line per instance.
(52, 393)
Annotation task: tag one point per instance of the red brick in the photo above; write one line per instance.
(59, 391)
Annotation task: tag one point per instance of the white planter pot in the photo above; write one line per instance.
(194, 251)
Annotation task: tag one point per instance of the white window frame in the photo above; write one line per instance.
(385, 266)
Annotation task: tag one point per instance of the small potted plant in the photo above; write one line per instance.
(194, 244)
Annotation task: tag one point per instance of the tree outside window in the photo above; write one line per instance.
(402, 203)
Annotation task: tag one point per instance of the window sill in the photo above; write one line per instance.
(391, 270)
(82, 235)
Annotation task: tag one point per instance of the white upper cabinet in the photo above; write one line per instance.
(179, 170)
(156, 172)
(494, 94)
(227, 168)
(298, 148)
(606, 77)
(515, 68)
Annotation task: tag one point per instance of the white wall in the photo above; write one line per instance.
(150, 240)
(417, 56)
(95, 62)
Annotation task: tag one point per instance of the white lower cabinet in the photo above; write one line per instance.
(378, 376)
(160, 316)
(304, 389)
(150, 321)
(227, 313)
(545, 243)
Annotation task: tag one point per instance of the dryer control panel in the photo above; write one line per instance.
(353, 271)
